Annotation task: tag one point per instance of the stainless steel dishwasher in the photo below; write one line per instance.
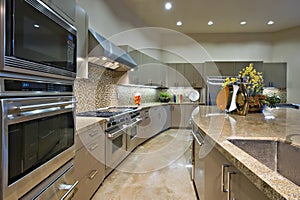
(197, 161)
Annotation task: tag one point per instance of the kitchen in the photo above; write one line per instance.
(98, 87)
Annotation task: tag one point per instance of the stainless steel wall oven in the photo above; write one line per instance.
(37, 132)
(36, 40)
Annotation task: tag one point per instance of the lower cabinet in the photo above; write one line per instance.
(89, 163)
(181, 115)
(154, 120)
(216, 178)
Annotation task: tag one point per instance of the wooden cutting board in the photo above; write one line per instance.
(222, 98)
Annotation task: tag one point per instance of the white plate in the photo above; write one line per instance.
(194, 95)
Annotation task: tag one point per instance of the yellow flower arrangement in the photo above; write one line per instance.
(252, 79)
(254, 83)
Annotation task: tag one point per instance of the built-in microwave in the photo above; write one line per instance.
(36, 40)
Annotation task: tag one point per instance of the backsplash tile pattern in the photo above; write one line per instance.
(93, 93)
(125, 94)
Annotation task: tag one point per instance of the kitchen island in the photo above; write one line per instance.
(218, 128)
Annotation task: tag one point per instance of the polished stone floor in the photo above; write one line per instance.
(158, 170)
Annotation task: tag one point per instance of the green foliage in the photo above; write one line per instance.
(271, 101)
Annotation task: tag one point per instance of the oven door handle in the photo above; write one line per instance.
(40, 106)
(134, 123)
(116, 134)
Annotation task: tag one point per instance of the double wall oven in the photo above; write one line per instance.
(37, 72)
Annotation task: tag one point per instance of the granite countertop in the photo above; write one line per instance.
(218, 127)
(85, 123)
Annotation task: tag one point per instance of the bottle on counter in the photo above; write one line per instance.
(242, 102)
(137, 99)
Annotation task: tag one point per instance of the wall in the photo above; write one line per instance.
(218, 47)
(286, 48)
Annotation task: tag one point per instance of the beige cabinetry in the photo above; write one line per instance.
(149, 70)
(181, 115)
(275, 74)
(217, 178)
(176, 75)
(154, 120)
(193, 73)
(185, 75)
(89, 163)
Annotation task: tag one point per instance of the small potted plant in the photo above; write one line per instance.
(164, 97)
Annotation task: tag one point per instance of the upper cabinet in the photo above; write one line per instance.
(185, 75)
(149, 70)
(275, 74)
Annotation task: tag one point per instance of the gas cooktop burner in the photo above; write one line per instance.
(98, 114)
(107, 112)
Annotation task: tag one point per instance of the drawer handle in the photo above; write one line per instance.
(93, 174)
(92, 134)
(196, 139)
(92, 148)
(224, 166)
(70, 189)
(229, 184)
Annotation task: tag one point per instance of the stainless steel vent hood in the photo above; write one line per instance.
(102, 52)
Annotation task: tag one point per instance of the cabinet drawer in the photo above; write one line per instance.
(88, 185)
(89, 135)
(91, 155)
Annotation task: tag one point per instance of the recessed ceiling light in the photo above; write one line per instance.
(270, 22)
(179, 23)
(243, 22)
(210, 23)
(36, 26)
(168, 6)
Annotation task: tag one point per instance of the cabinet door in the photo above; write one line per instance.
(167, 110)
(181, 115)
(176, 116)
(242, 188)
(189, 72)
(226, 68)
(181, 79)
(171, 75)
(151, 72)
(213, 175)
(197, 74)
(274, 75)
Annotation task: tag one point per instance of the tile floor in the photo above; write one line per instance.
(158, 169)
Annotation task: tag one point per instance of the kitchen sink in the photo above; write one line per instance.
(280, 156)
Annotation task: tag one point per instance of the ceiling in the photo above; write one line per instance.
(226, 14)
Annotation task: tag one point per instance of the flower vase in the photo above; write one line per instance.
(242, 102)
